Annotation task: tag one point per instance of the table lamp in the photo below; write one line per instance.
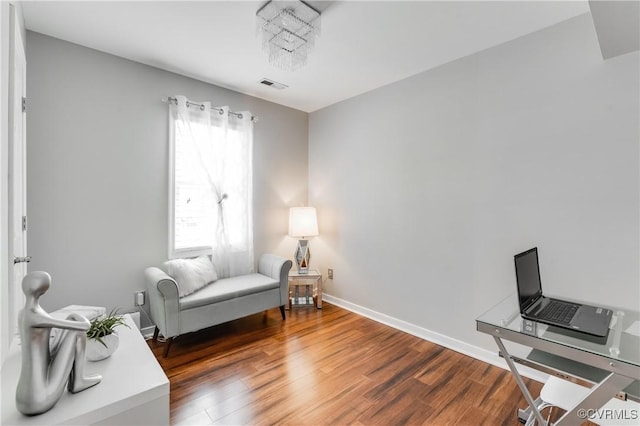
(303, 223)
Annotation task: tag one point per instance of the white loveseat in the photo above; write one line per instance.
(218, 302)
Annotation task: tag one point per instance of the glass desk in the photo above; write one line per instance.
(612, 368)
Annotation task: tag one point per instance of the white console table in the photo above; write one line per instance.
(134, 389)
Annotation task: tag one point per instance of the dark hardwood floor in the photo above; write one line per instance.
(330, 366)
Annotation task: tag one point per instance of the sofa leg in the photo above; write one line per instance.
(282, 312)
(167, 346)
(155, 334)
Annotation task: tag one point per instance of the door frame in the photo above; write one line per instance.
(12, 45)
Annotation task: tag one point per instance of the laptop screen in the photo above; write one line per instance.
(528, 277)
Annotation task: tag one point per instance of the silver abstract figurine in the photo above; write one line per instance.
(48, 364)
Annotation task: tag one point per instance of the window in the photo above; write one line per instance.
(210, 197)
(194, 201)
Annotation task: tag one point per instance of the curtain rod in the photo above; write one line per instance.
(171, 99)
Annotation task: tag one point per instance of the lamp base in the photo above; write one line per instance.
(302, 256)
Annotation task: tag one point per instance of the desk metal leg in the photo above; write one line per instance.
(599, 395)
(521, 385)
(524, 414)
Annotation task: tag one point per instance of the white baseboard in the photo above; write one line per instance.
(434, 337)
(147, 332)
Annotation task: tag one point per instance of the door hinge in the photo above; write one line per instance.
(24, 104)
(24, 223)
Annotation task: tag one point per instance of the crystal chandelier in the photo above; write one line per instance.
(288, 30)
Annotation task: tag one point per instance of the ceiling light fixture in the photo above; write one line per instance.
(288, 30)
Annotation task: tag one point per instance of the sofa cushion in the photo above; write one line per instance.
(229, 288)
(191, 274)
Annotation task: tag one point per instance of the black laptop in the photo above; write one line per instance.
(591, 320)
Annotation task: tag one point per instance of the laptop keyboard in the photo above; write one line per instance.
(558, 312)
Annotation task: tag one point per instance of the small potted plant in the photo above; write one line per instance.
(102, 338)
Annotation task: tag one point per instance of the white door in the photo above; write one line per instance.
(17, 173)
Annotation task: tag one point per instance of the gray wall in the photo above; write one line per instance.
(426, 188)
(97, 169)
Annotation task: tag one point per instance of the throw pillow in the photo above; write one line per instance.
(191, 274)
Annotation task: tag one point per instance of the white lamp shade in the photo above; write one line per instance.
(303, 222)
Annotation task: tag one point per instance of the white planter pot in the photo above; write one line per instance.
(96, 351)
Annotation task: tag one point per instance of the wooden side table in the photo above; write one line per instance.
(305, 285)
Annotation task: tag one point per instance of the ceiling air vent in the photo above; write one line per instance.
(273, 84)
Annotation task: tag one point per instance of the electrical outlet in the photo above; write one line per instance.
(138, 299)
(330, 274)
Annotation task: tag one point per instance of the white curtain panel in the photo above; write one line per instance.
(221, 145)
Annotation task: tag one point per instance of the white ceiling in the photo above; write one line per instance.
(363, 44)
